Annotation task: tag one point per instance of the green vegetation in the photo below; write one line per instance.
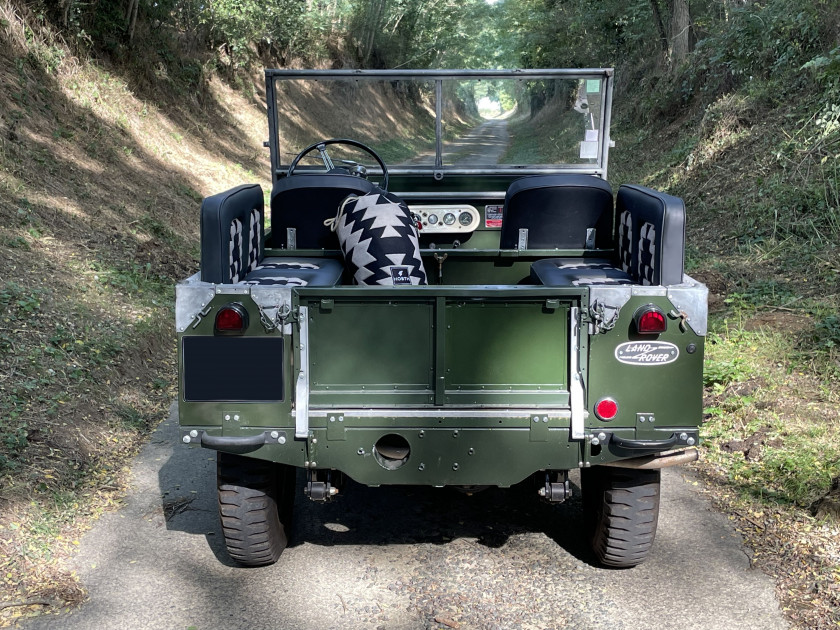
(116, 118)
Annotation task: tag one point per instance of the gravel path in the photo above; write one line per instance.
(396, 558)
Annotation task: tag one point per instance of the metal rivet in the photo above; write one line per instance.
(455, 466)
(313, 464)
(275, 434)
(361, 451)
(421, 434)
(454, 434)
(193, 433)
(421, 467)
(471, 451)
(314, 440)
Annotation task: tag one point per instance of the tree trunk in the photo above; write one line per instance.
(679, 36)
(660, 25)
(131, 18)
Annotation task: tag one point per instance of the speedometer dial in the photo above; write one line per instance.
(465, 218)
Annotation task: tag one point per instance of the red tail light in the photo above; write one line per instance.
(232, 319)
(606, 409)
(650, 320)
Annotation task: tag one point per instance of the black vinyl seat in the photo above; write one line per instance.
(558, 211)
(300, 272)
(305, 201)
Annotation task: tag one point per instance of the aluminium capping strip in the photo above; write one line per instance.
(302, 384)
(576, 393)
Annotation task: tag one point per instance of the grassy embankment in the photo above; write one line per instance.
(758, 171)
(102, 170)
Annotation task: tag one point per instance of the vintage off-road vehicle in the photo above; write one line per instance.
(471, 307)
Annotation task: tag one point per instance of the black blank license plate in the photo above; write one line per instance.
(235, 369)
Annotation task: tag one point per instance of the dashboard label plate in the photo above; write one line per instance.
(493, 216)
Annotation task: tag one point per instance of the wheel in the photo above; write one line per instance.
(328, 163)
(621, 509)
(255, 506)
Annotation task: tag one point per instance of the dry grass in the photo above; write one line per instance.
(100, 183)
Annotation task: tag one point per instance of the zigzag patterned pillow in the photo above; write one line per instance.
(379, 240)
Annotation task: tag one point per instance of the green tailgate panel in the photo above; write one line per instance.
(381, 353)
(506, 353)
(374, 353)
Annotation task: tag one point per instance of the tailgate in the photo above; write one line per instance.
(485, 351)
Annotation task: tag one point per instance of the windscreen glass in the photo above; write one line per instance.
(486, 123)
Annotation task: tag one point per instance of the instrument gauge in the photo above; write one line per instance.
(433, 219)
(465, 218)
(449, 218)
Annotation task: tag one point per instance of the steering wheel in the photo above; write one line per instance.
(328, 163)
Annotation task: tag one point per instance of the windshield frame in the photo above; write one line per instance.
(439, 170)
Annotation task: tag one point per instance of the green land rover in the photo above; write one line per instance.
(441, 289)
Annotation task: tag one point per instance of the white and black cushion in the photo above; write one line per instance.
(378, 238)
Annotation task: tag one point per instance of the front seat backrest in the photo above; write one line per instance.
(304, 202)
(557, 211)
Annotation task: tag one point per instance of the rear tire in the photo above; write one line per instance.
(255, 507)
(621, 509)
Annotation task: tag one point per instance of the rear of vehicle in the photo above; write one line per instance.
(557, 329)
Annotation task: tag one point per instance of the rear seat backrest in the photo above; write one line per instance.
(231, 234)
(650, 235)
(557, 211)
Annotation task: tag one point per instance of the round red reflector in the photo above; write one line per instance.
(606, 409)
(652, 321)
(230, 319)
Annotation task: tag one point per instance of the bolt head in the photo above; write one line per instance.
(194, 433)
(282, 439)
(683, 437)
(602, 436)
(595, 441)
(690, 441)
(314, 440)
(275, 435)
(187, 439)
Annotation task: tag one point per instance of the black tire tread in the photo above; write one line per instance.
(252, 493)
(622, 509)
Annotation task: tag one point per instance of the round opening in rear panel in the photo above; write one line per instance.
(391, 451)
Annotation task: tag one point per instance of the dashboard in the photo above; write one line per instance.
(446, 219)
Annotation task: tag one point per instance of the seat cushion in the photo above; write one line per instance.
(556, 272)
(300, 272)
(378, 238)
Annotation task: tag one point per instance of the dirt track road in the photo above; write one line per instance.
(400, 558)
(481, 146)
